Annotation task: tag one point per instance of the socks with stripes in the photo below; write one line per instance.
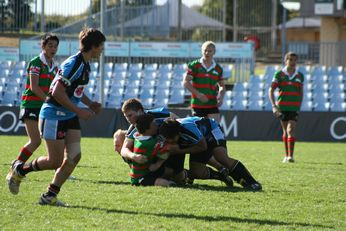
(290, 144)
(53, 190)
(24, 154)
(284, 139)
(26, 168)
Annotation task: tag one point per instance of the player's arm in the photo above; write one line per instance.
(59, 94)
(34, 80)
(221, 93)
(93, 105)
(187, 84)
(272, 88)
(126, 152)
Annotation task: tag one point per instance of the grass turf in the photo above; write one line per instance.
(307, 195)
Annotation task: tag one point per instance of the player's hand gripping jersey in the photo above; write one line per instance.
(73, 75)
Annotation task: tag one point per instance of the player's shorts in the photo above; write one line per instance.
(289, 115)
(204, 112)
(29, 113)
(57, 129)
(214, 138)
(175, 162)
(150, 178)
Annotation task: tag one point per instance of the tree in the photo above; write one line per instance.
(18, 13)
(250, 13)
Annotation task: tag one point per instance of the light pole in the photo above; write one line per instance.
(283, 32)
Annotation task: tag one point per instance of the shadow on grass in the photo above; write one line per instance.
(103, 182)
(320, 163)
(202, 187)
(203, 218)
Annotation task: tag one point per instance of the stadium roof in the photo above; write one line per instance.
(169, 11)
(303, 22)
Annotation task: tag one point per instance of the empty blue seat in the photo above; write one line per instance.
(160, 102)
(318, 70)
(255, 105)
(94, 66)
(321, 106)
(150, 67)
(338, 107)
(135, 67)
(239, 105)
(108, 67)
(176, 97)
(334, 70)
(120, 67)
(146, 93)
(304, 69)
(226, 105)
(10, 98)
(306, 106)
(240, 87)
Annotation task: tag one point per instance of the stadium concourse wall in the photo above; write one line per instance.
(237, 125)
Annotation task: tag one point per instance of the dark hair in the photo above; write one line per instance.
(291, 54)
(143, 122)
(48, 36)
(132, 104)
(169, 128)
(90, 37)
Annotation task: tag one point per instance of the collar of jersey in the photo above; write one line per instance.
(284, 70)
(44, 61)
(213, 64)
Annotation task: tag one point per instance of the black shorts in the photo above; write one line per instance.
(175, 162)
(56, 129)
(204, 112)
(289, 115)
(150, 178)
(29, 113)
(204, 157)
(214, 138)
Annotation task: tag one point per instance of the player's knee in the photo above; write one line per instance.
(73, 153)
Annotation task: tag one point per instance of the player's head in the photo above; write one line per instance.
(91, 40)
(118, 139)
(131, 109)
(208, 49)
(49, 44)
(170, 129)
(145, 124)
(291, 59)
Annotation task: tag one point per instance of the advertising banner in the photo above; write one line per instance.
(9, 54)
(241, 125)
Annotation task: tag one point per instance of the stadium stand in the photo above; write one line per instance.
(160, 84)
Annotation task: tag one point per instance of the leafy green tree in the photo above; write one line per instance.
(16, 13)
(250, 13)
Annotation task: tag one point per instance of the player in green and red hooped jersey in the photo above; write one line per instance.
(40, 73)
(204, 79)
(290, 85)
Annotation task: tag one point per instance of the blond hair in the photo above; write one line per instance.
(207, 44)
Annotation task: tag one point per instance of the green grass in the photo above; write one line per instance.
(307, 195)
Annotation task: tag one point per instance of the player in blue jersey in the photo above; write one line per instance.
(203, 138)
(59, 117)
